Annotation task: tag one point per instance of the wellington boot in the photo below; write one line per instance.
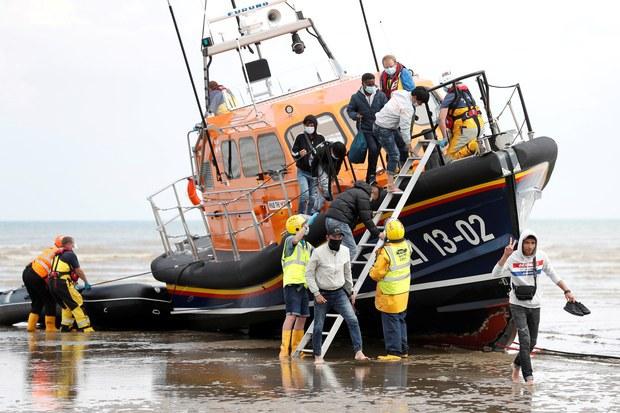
(285, 347)
(295, 340)
(88, 330)
(389, 357)
(32, 322)
(50, 323)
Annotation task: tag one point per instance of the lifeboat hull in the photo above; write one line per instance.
(459, 217)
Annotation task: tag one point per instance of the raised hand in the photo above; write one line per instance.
(510, 248)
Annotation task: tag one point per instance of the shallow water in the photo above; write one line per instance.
(188, 371)
(191, 371)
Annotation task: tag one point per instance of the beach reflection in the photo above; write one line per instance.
(202, 371)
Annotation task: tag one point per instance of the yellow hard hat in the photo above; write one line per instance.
(294, 224)
(394, 229)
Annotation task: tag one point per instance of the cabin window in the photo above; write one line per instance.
(350, 122)
(328, 127)
(230, 159)
(249, 161)
(270, 153)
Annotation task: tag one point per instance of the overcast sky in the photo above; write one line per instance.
(95, 101)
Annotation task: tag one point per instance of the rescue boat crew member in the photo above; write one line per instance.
(65, 273)
(460, 120)
(35, 279)
(392, 272)
(295, 256)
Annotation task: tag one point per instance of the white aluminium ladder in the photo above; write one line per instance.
(359, 259)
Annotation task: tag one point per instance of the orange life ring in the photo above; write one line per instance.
(191, 192)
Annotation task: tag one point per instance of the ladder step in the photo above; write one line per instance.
(366, 245)
(388, 210)
(335, 315)
(325, 333)
(307, 350)
(359, 262)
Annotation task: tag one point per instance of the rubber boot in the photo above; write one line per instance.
(32, 322)
(88, 330)
(285, 347)
(50, 323)
(296, 339)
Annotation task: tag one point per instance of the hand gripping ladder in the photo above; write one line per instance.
(361, 260)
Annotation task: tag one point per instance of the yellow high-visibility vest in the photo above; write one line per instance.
(294, 266)
(398, 278)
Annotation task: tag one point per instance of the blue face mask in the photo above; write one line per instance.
(390, 70)
(370, 89)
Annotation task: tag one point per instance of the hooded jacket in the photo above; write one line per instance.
(354, 204)
(520, 268)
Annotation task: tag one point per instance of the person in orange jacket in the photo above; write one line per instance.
(392, 272)
(35, 277)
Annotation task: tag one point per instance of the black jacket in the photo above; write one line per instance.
(309, 143)
(353, 205)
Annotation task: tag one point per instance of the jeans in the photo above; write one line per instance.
(347, 235)
(395, 333)
(386, 139)
(339, 301)
(373, 155)
(307, 186)
(526, 321)
(322, 193)
(403, 148)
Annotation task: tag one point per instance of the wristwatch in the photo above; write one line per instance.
(566, 291)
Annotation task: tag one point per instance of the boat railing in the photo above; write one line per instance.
(485, 140)
(180, 214)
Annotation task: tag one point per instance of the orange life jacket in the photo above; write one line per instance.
(42, 265)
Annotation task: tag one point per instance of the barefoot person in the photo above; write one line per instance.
(524, 265)
(328, 274)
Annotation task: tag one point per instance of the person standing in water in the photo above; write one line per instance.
(524, 264)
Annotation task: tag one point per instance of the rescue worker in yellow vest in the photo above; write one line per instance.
(392, 273)
(35, 279)
(65, 273)
(460, 120)
(295, 255)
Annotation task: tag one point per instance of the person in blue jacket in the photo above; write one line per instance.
(363, 106)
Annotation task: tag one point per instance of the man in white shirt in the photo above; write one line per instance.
(396, 115)
(328, 274)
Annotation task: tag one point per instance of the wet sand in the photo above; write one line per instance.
(190, 371)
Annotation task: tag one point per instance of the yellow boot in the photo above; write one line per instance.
(32, 322)
(285, 347)
(50, 323)
(295, 340)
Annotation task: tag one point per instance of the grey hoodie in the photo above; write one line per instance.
(520, 268)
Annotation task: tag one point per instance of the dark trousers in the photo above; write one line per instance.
(395, 333)
(39, 294)
(526, 320)
(373, 155)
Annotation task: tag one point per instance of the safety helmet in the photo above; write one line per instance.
(394, 229)
(294, 224)
(58, 241)
(445, 78)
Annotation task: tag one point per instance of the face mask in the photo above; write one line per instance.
(307, 230)
(370, 89)
(334, 244)
(309, 129)
(390, 70)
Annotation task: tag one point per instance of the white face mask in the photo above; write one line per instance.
(370, 89)
(390, 70)
(309, 129)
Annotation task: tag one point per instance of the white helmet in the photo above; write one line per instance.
(445, 78)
